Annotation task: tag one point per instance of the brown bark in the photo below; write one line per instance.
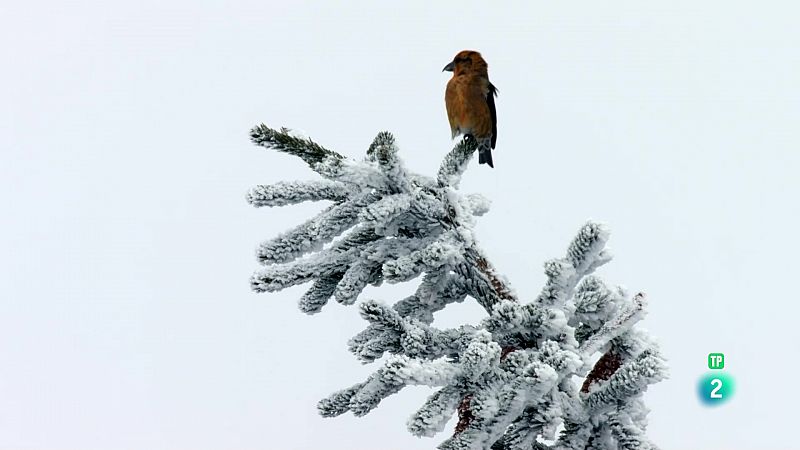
(606, 366)
(464, 415)
(498, 285)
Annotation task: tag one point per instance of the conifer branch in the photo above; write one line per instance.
(289, 193)
(283, 141)
(455, 163)
(511, 378)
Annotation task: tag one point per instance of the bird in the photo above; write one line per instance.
(469, 99)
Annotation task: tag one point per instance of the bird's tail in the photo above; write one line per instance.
(485, 156)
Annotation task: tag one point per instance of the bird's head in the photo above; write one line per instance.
(467, 61)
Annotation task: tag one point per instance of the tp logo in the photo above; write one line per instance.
(716, 361)
(715, 388)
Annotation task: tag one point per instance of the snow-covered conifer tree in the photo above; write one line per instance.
(565, 370)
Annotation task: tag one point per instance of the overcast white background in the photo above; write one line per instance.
(126, 320)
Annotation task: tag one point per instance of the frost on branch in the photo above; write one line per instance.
(565, 370)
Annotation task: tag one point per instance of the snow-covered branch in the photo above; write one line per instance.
(514, 377)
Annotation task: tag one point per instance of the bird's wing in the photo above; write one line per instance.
(490, 101)
(451, 103)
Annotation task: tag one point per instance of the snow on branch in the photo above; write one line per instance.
(455, 163)
(289, 193)
(514, 378)
(284, 141)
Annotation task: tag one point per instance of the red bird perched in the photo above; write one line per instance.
(470, 102)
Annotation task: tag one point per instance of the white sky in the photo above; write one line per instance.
(126, 320)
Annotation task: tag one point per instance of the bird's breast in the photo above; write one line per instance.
(467, 110)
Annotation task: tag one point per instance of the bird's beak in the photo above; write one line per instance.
(449, 67)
